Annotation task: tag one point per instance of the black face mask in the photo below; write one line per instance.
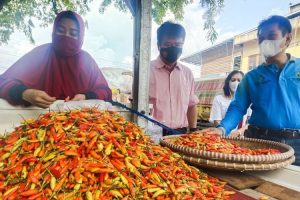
(170, 54)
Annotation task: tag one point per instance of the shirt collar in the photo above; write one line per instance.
(290, 59)
(160, 64)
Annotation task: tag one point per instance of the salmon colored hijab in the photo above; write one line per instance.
(61, 68)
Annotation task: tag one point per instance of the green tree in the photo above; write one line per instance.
(161, 7)
(20, 14)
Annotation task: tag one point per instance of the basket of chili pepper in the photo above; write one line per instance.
(235, 166)
(228, 149)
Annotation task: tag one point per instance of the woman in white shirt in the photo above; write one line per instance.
(221, 102)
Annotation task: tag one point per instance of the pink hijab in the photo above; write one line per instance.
(61, 68)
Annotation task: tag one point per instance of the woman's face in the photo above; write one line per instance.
(237, 77)
(234, 82)
(67, 27)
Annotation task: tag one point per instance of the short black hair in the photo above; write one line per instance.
(283, 24)
(170, 29)
(226, 88)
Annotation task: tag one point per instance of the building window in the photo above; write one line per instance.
(252, 62)
(237, 63)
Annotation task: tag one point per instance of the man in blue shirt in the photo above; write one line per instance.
(272, 89)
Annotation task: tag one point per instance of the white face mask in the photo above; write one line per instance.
(233, 85)
(270, 48)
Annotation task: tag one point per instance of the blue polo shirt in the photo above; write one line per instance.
(274, 96)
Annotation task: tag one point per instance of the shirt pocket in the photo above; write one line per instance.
(293, 88)
(293, 81)
(265, 88)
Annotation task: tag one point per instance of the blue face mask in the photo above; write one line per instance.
(171, 54)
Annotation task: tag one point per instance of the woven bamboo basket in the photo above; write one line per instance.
(286, 151)
(232, 166)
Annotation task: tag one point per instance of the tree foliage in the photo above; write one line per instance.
(161, 7)
(20, 14)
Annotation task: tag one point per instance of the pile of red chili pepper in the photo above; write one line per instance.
(211, 142)
(91, 154)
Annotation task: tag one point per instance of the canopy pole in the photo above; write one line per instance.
(142, 54)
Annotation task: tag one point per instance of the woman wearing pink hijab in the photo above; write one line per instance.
(59, 70)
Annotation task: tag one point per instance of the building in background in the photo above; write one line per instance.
(238, 53)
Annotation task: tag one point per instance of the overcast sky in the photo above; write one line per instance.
(109, 37)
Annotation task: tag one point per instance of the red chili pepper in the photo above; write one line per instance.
(2, 186)
(47, 178)
(92, 134)
(53, 133)
(55, 172)
(71, 153)
(101, 177)
(91, 144)
(33, 178)
(117, 165)
(84, 127)
(35, 196)
(29, 193)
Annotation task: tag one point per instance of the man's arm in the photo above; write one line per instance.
(192, 116)
(192, 107)
(237, 108)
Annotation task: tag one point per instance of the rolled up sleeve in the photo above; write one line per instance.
(237, 108)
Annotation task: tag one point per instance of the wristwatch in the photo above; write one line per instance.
(193, 129)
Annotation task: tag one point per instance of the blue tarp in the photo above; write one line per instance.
(132, 6)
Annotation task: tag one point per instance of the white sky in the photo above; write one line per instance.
(109, 37)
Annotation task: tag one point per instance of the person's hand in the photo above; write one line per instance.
(38, 98)
(78, 97)
(213, 131)
(239, 132)
(67, 99)
(236, 133)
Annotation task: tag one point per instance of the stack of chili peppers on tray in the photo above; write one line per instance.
(210, 142)
(92, 154)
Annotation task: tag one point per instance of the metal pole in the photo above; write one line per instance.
(142, 46)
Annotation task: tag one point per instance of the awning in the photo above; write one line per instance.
(208, 89)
